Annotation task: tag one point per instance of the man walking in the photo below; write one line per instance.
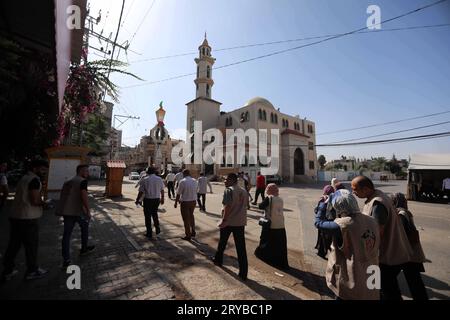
(26, 211)
(201, 192)
(152, 187)
(260, 187)
(187, 195)
(74, 208)
(178, 177)
(395, 249)
(234, 220)
(170, 180)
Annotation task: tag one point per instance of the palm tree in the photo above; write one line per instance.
(86, 86)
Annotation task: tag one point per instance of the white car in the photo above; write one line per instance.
(133, 176)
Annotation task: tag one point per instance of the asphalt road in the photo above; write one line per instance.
(432, 220)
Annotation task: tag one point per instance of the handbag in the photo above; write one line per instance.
(263, 221)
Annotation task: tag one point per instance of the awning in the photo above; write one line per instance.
(430, 161)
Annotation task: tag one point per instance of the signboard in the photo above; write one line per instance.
(60, 170)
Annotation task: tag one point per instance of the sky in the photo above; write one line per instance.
(353, 81)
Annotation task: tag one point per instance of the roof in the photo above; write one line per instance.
(294, 132)
(260, 100)
(116, 164)
(430, 161)
(204, 98)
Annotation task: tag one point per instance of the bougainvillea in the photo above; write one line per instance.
(85, 87)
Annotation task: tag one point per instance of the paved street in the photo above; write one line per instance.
(126, 265)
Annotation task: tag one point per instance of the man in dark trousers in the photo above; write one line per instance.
(152, 187)
(395, 250)
(234, 220)
(260, 187)
(74, 207)
(24, 219)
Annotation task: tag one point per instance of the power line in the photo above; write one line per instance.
(115, 40)
(140, 25)
(404, 139)
(289, 40)
(383, 124)
(295, 48)
(394, 132)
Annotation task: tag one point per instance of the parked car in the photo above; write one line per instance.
(133, 176)
(274, 179)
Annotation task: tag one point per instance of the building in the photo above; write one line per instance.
(298, 158)
(144, 155)
(426, 174)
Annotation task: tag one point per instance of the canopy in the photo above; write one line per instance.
(430, 161)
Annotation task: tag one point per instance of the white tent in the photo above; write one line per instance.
(430, 161)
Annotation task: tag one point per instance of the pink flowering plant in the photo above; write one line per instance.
(86, 84)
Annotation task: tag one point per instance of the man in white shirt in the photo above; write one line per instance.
(170, 180)
(203, 182)
(446, 188)
(152, 187)
(187, 195)
(178, 177)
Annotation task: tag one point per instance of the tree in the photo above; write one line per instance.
(82, 95)
(322, 161)
(394, 166)
(378, 164)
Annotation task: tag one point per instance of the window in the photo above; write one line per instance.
(247, 116)
(276, 119)
(208, 72)
(260, 115)
(198, 71)
(311, 145)
(264, 116)
(311, 165)
(207, 90)
(272, 118)
(310, 128)
(287, 124)
(203, 50)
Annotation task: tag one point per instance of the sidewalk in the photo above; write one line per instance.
(125, 265)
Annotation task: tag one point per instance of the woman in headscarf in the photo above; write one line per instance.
(413, 268)
(354, 251)
(273, 242)
(323, 244)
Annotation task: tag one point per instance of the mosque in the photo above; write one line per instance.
(298, 158)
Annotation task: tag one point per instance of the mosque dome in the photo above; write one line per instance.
(260, 101)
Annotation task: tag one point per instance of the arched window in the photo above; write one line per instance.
(276, 119)
(207, 90)
(208, 72)
(271, 118)
(198, 71)
(203, 50)
(264, 115)
(260, 116)
(247, 116)
(231, 121)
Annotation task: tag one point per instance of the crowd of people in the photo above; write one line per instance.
(353, 240)
(382, 234)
